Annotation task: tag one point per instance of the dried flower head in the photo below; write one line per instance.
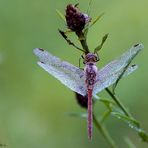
(82, 100)
(76, 20)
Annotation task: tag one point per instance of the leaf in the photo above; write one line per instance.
(89, 26)
(126, 70)
(107, 102)
(132, 123)
(100, 46)
(89, 7)
(143, 135)
(104, 116)
(88, 13)
(109, 105)
(61, 15)
(63, 34)
(97, 19)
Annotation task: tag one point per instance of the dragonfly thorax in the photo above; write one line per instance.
(91, 58)
(90, 69)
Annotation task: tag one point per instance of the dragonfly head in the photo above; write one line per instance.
(91, 58)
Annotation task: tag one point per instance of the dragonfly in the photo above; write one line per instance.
(89, 81)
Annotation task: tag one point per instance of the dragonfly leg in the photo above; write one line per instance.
(97, 57)
(82, 57)
(80, 62)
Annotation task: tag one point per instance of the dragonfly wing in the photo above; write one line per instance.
(110, 73)
(68, 74)
(104, 81)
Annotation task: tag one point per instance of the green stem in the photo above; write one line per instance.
(105, 115)
(83, 41)
(118, 102)
(104, 133)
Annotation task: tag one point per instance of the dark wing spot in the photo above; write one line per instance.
(136, 45)
(42, 62)
(41, 49)
(133, 65)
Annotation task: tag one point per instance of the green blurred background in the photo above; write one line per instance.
(33, 104)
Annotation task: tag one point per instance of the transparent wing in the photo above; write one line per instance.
(110, 73)
(68, 74)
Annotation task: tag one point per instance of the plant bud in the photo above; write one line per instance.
(76, 20)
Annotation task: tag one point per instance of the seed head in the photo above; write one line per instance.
(75, 19)
(82, 100)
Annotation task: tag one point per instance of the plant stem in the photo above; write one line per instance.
(63, 34)
(105, 115)
(118, 102)
(104, 133)
(83, 41)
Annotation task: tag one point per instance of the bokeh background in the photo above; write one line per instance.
(33, 104)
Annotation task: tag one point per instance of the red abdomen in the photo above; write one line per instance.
(90, 73)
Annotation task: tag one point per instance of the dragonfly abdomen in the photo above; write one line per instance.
(90, 75)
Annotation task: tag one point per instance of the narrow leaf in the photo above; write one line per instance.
(96, 20)
(126, 70)
(100, 46)
(89, 7)
(88, 13)
(106, 101)
(104, 116)
(89, 26)
(61, 15)
(63, 34)
(143, 135)
(132, 123)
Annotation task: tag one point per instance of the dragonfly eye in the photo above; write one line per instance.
(91, 57)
